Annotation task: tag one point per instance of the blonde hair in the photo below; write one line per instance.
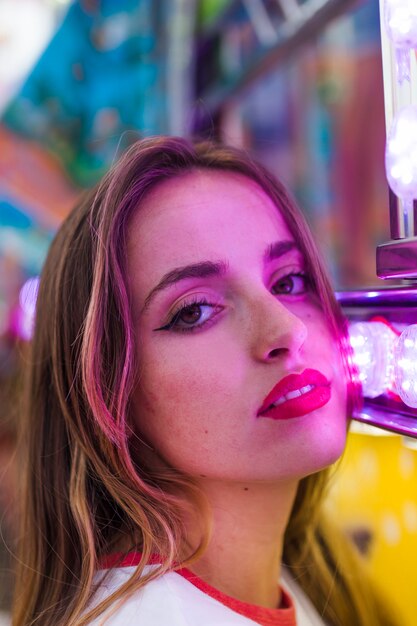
(82, 487)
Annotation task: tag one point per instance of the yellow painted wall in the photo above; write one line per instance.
(376, 489)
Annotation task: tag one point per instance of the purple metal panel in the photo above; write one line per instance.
(397, 258)
(392, 422)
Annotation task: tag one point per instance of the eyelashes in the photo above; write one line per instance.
(198, 313)
(292, 284)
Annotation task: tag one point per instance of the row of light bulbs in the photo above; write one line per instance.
(386, 360)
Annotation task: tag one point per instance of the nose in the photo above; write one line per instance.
(278, 332)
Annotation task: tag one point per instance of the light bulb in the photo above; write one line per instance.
(405, 366)
(372, 344)
(401, 22)
(401, 155)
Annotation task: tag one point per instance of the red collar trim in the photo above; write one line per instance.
(284, 616)
(131, 559)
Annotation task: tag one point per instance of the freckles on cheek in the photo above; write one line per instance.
(192, 366)
(163, 387)
(191, 392)
(202, 377)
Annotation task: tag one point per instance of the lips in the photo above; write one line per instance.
(296, 395)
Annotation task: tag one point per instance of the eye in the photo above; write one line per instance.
(293, 284)
(192, 316)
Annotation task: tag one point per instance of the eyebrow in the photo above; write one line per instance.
(206, 269)
(278, 249)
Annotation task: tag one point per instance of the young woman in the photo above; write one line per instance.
(188, 386)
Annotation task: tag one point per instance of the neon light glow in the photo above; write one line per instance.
(401, 154)
(405, 365)
(373, 344)
(401, 22)
(27, 302)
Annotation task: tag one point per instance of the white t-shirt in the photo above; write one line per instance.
(172, 600)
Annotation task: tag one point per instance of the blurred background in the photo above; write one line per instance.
(297, 83)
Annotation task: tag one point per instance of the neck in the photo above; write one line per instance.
(243, 558)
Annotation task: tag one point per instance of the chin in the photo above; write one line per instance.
(330, 455)
(323, 449)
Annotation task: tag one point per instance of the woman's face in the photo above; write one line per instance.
(222, 313)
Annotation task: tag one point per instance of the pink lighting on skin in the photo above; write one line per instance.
(199, 392)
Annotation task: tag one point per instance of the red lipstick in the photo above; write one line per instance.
(296, 395)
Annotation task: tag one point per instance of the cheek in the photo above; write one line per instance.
(192, 367)
(340, 373)
(328, 351)
(183, 391)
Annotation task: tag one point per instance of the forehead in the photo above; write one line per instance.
(202, 211)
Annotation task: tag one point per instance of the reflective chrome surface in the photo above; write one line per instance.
(397, 258)
(402, 295)
(392, 422)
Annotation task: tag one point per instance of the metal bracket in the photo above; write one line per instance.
(397, 258)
